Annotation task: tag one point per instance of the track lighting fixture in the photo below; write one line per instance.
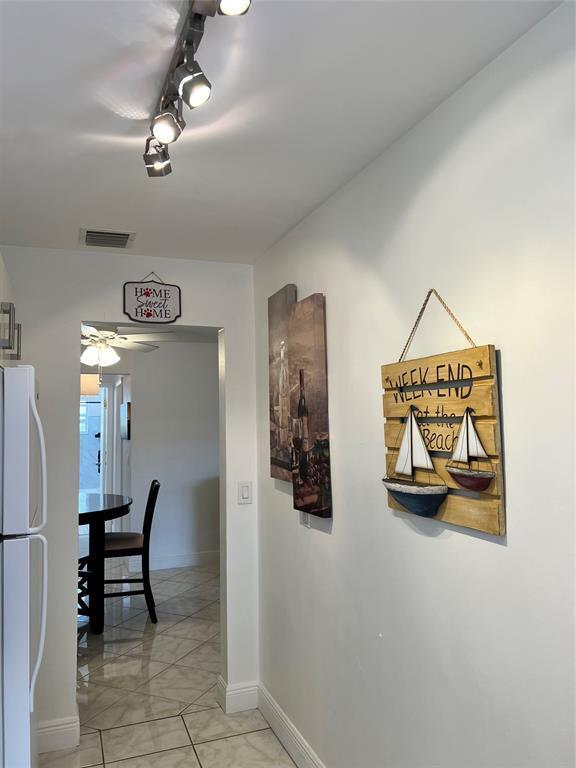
(223, 7)
(185, 82)
(193, 86)
(233, 7)
(168, 124)
(156, 158)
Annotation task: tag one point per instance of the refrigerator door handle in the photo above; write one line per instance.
(42, 443)
(43, 613)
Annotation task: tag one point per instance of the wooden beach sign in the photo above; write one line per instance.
(454, 398)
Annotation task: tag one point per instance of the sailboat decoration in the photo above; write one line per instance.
(422, 499)
(468, 447)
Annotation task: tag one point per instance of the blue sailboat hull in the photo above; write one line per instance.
(419, 504)
(423, 500)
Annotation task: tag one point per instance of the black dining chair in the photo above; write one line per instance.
(128, 544)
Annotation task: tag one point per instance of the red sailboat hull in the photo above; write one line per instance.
(471, 480)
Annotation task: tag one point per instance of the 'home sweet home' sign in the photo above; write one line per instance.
(152, 301)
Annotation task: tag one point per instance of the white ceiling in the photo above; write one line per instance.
(304, 95)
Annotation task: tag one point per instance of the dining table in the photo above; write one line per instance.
(95, 510)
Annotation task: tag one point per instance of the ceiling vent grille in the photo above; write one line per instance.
(102, 238)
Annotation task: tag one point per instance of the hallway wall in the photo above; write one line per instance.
(175, 439)
(396, 642)
(56, 291)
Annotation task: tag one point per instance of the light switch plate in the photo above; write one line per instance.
(245, 492)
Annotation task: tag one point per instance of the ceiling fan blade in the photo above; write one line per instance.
(132, 346)
(89, 330)
(159, 336)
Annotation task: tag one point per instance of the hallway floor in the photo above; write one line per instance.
(147, 693)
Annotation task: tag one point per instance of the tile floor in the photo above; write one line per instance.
(147, 693)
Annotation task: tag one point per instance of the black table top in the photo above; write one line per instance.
(102, 506)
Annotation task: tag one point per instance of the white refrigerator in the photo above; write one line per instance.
(23, 562)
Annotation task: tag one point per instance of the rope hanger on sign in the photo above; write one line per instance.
(152, 274)
(421, 313)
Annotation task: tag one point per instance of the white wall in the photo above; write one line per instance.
(396, 642)
(56, 291)
(174, 438)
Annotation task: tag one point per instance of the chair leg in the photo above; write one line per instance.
(148, 596)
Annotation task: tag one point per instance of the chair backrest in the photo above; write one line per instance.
(149, 513)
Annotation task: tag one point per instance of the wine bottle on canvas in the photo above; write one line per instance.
(303, 419)
(283, 398)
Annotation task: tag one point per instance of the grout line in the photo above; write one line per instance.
(101, 747)
(233, 735)
(143, 722)
(191, 742)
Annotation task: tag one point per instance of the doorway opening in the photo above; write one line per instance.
(156, 416)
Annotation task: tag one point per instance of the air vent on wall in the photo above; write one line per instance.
(102, 238)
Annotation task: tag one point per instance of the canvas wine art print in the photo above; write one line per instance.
(299, 433)
(279, 307)
(311, 482)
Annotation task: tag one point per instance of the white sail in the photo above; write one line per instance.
(468, 444)
(461, 450)
(404, 460)
(475, 447)
(420, 456)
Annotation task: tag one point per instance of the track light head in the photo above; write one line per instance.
(233, 7)
(223, 7)
(193, 86)
(168, 124)
(156, 158)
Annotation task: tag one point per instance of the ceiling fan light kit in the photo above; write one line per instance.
(185, 83)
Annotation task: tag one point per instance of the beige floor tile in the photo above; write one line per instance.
(169, 588)
(206, 591)
(168, 573)
(93, 699)
(192, 578)
(253, 750)
(208, 699)
(89, 753)
(131, 601)
(180, 683)
(165, 648)
(195, 629)
(184, 606)
(116, 640)
(144, 739)
(184, 757)
(135, 708)
(142, 623)
(213, 724)
(206, 657)
(126, 672)
(211, 612)
(117, 612)
(90, 662)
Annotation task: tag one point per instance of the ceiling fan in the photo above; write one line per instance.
(100, 345)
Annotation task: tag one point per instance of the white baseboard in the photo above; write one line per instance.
(236, 697)
(54, 735)
(293, 741)
(186, 560)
